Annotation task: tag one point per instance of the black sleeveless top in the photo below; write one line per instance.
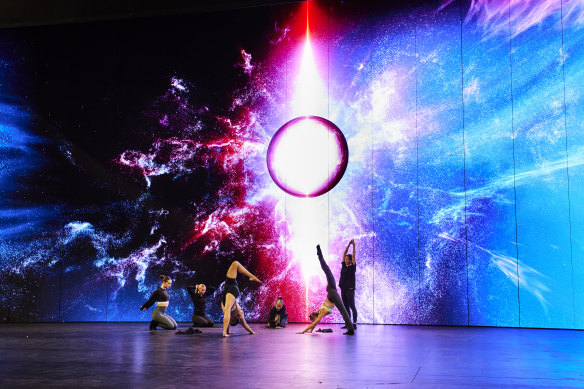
(230, 287)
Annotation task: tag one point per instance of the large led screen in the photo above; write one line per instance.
(444, 137)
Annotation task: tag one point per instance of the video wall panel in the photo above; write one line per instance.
(572, 56)
(441, 169)
(540, 160)
(129, 151)
(489, 196)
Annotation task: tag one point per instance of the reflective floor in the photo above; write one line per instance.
(128, 355)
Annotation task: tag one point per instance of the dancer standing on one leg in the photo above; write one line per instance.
(160, 296)
(332, 299)
(231, 292)
(347, 282)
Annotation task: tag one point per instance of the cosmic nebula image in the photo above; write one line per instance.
(445, 137)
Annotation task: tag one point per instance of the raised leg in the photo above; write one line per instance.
(237, 267)
(345, 298)
(330, 279)
(334, 297)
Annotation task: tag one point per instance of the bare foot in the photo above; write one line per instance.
(254, 278)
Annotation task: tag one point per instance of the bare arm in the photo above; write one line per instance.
(346, 251)
(246, 326)
(353, 242)
(314, 323)
(241, 316)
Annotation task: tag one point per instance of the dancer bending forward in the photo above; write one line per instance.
(332, 299)
(230, 293)
(160, 296)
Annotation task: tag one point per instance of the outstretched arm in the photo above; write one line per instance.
(351, 242)
(243, 322)
(346, 250)
(150, 301)
(313, 324)
(238, 312)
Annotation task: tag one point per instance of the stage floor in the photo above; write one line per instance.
(128, 355)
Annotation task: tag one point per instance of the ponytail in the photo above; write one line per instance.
(164, 278)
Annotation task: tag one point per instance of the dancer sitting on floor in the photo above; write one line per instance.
(332, 299)
(231, 292)
(347, 282)
(160, 296)
(199, 295)
(278, 318)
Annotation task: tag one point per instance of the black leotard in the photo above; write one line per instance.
(230, 287)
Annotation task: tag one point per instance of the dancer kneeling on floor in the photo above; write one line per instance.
(278, 317)
(160, 296)
(230, 293)
(199, 295)
(332, 299)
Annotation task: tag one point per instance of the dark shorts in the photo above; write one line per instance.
(231, 288)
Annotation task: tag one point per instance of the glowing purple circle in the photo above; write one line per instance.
(307, 156)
